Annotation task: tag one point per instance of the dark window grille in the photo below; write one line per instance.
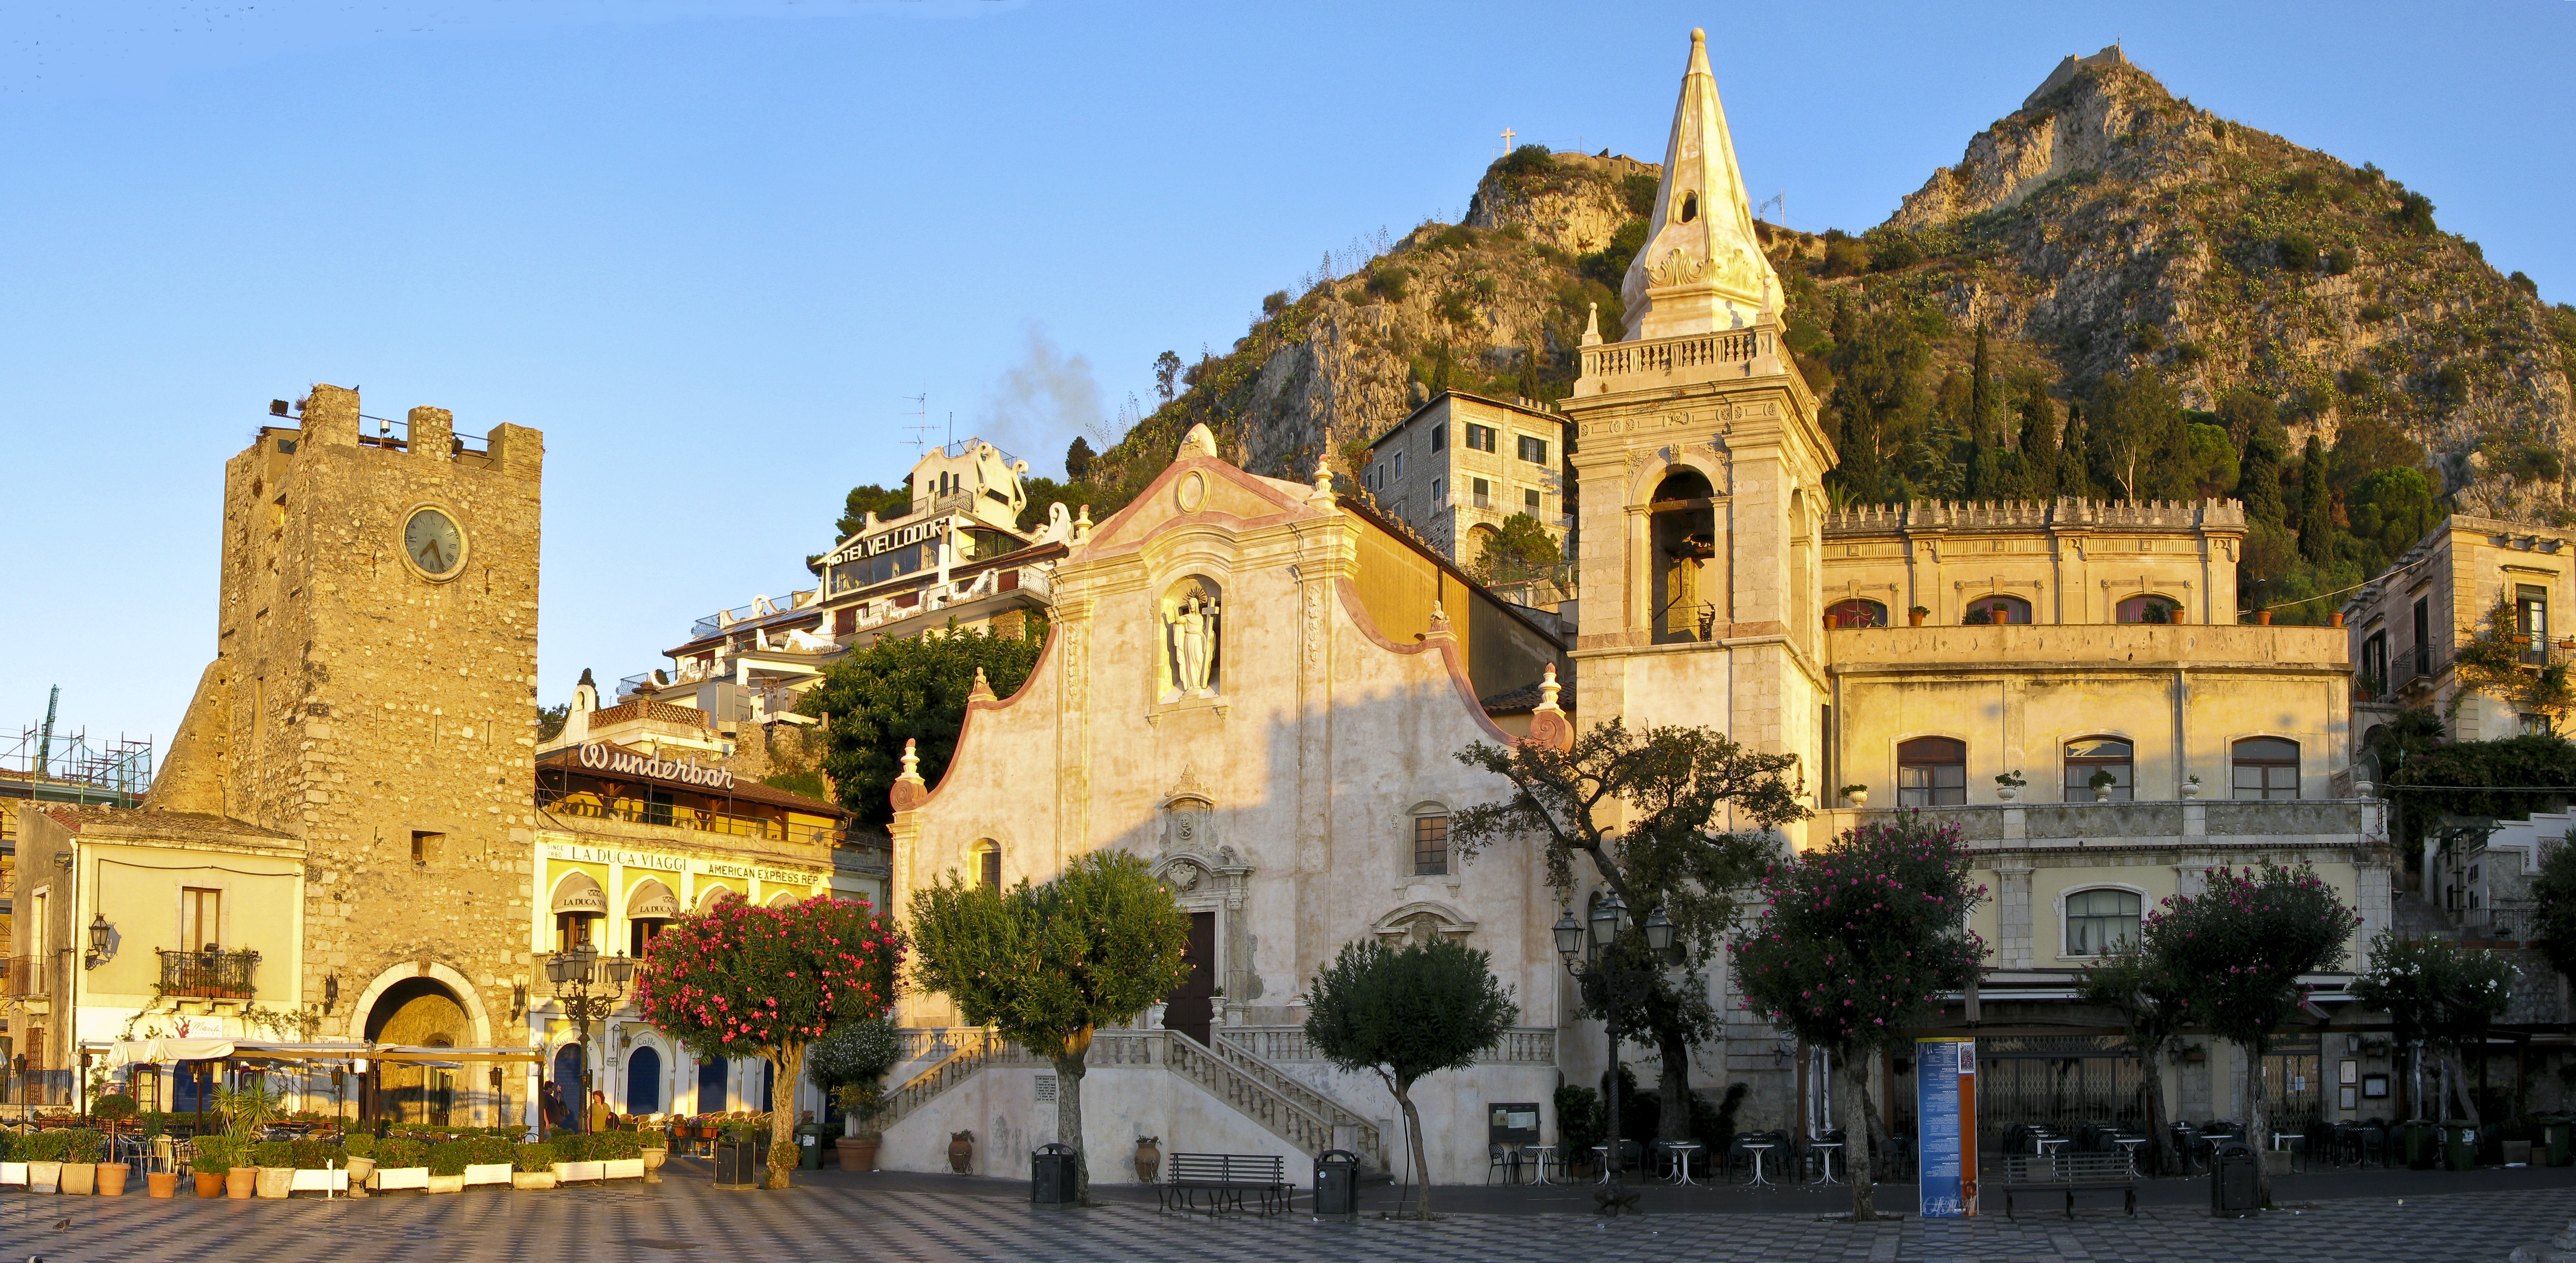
(2266, 768)
(216, 975)
(1430, 846)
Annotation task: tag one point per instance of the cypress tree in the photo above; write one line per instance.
(2316, 506)
(2074, 466)
(2259, 482)
(2039, 441)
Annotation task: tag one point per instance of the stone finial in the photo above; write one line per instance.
(1082, 526)
(1592, 325)
(1323, 480)
(1550, 726)
(907, 792)
(1548, 689)
(1439, 619)
(982, 692)
(1200, 441)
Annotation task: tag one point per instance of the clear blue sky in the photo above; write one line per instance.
(709, 247)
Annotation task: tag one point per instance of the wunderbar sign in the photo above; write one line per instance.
(607, 758)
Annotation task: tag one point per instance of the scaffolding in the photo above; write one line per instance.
(54, 766)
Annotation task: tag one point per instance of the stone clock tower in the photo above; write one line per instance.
(373, 694)
(1701, 464)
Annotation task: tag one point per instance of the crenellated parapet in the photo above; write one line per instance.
(2063, 512)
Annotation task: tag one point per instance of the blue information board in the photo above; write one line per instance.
(1945, 1110)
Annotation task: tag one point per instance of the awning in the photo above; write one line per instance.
(579, 895)
(651, 901)
(165, 1051)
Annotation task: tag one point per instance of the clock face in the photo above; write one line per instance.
(433, 542)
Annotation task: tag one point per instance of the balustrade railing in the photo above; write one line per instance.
(1521, 1045)
(212, 975)
(1671, 355)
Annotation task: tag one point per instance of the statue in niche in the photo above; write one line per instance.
(1190, 635)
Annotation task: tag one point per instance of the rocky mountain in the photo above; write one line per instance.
(2103, 235)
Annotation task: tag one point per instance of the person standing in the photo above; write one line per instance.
(600, 1114)
(550, 1102)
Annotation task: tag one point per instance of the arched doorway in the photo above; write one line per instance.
(568, 1061)
(711, 1086)
(1683, 524)
(644, 1081)
(422, 1013)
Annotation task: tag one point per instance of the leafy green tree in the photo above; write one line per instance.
(2153, 1004)
(2211, 464)
(2241, 945)
(1167, 374)
(1405, 1012)
(1078, 457)
(851, 1061)
(2258, 483)
(1522, 550)
(2553, 899)
(906, 688)
(2316, 505)
(2138, 436)
(1046, 965)
(748, 980)
(2439, 998)
(1642, 811)
(888, 503)
(1858, 943)
(2390, 510)
(1878, 364)
(2075, 456)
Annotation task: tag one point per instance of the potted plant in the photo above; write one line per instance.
(2101, 782)
(81, 1152)
(212, 1161)
(276, 1162)
(1856, 795)
(854, 1057)
(2191, 787)
(489, 1160)
(1915, 616)
(2009, 785)
(532, 1166)
(361, 1148)
(112, 1109)
(576, 1158)
(656, 1150)
(861, 1104)
(401, 1162)
(447, 1161)
(43, 1153)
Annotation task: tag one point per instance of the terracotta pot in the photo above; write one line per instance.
(2262, 618)
(1149, 1158)
(80, 1179)
(961, 1152)
(111, 1178)
(241, 1182)
(210, 1183)
(161, 1183)
(1913, 619)
(2335, 619)
(858, 1153)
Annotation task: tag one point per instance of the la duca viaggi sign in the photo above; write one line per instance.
(600, 757)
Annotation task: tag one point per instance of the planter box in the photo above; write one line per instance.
(80, 1179)
(487, 1173)
(447, 1184)
(44, 1177)
(532, 1179)
(13, 1173)
(622, 1169)
(577, 1172)
(325, 1182)
(398, 1177)
(276, 1182)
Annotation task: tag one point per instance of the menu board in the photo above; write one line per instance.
(1945, 1107)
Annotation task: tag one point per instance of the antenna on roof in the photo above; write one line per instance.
(1779, 199)
(923, 411)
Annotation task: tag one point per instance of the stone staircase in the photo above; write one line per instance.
(1261, 1092)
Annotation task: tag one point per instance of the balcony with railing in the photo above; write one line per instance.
(209, 975)
(22, 977)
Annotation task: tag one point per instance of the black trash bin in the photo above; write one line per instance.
(1051, 1175)
(1337, 1184)
(739, 1163)
(2232, 1184)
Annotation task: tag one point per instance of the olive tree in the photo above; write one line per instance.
(2439, 998)
(1046, 965)
(1405, 1012)
(2152, 1003)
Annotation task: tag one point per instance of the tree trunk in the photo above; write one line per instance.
(1851, 1082)
(1413, 1134)
(2456, 1073)
(790, 1059)
(2157, 1138)
(1068, 1119)
(1675, 1088)
(2258, 1119)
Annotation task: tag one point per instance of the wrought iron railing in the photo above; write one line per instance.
(23, 976)
(214, 975)
(590, 805)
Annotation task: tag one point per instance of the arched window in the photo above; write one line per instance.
(644, 1081)
(1856, 612)
(1430, 840)
(1932, 772)
(578, 903)
(2266, 767)
(984, 863)
(2088, 757)
(1997, 609)
(1683, 535)
(2099, 922)
(2149, 609)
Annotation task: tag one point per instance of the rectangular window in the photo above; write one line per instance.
(2531, 619)
(2265, 768)
(1436, 489)
(1440, 436)
(1932, 772)
(1480, 438)
(989, 865)
(2374, 665)
(1529, 501)
(201, 920)
(1533, 450)
(2099, 922)
(1484, 494)
(1399, 465)
(2423, 650)
(1430, 846)
(572, 930)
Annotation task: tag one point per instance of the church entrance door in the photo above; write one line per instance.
(1192, 1008)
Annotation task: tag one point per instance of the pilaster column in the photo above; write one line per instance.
(2012, 914)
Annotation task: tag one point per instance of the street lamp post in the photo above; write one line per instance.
(587, 988)
(1611, 926)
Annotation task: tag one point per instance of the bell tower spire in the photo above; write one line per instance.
(1702, 270)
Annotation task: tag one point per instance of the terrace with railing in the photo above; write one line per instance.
(860, 851)
(22, 976)
(209, 975)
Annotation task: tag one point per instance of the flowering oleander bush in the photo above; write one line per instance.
(742, 980)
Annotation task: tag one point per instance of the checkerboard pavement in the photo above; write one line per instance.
(686, 1218)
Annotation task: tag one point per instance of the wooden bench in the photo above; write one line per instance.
(1225, 1178)
(2070, 1174)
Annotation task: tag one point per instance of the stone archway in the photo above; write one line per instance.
(419, 1012)
(401, 1006)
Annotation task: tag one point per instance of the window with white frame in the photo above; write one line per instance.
(2099, 922)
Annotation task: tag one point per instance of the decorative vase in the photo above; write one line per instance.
(80, 1179)
(2191, 789)
(2101, 795)
(275, 1182)
(210, 1183)
(961, 1152)
(1149, 1158)
(111, 1178)
(241, 1183)
(653, 1160)
(858, 1153)
(2007, 792)
(1859, 798)
(161, 1183)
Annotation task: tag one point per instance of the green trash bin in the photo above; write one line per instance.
(2420, 1148)
(2554, 1130)
(809, 1146)
(2460, 1145)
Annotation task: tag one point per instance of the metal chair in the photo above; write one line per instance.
(1503, 1158)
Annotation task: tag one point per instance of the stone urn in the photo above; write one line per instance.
(961, 1152)
(210, 1183)
(241, 1182)
(858, 1153)
(1858, 798)
(163, 1184)
(1149, 1158)
(2191, 789)
(111, 1178)
(2101, 795)
(2007, 792)
(653, 1160)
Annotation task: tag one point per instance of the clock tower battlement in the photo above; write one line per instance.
(374, 684)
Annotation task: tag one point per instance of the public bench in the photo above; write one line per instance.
(1224, 1178)
(2070, 1174)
